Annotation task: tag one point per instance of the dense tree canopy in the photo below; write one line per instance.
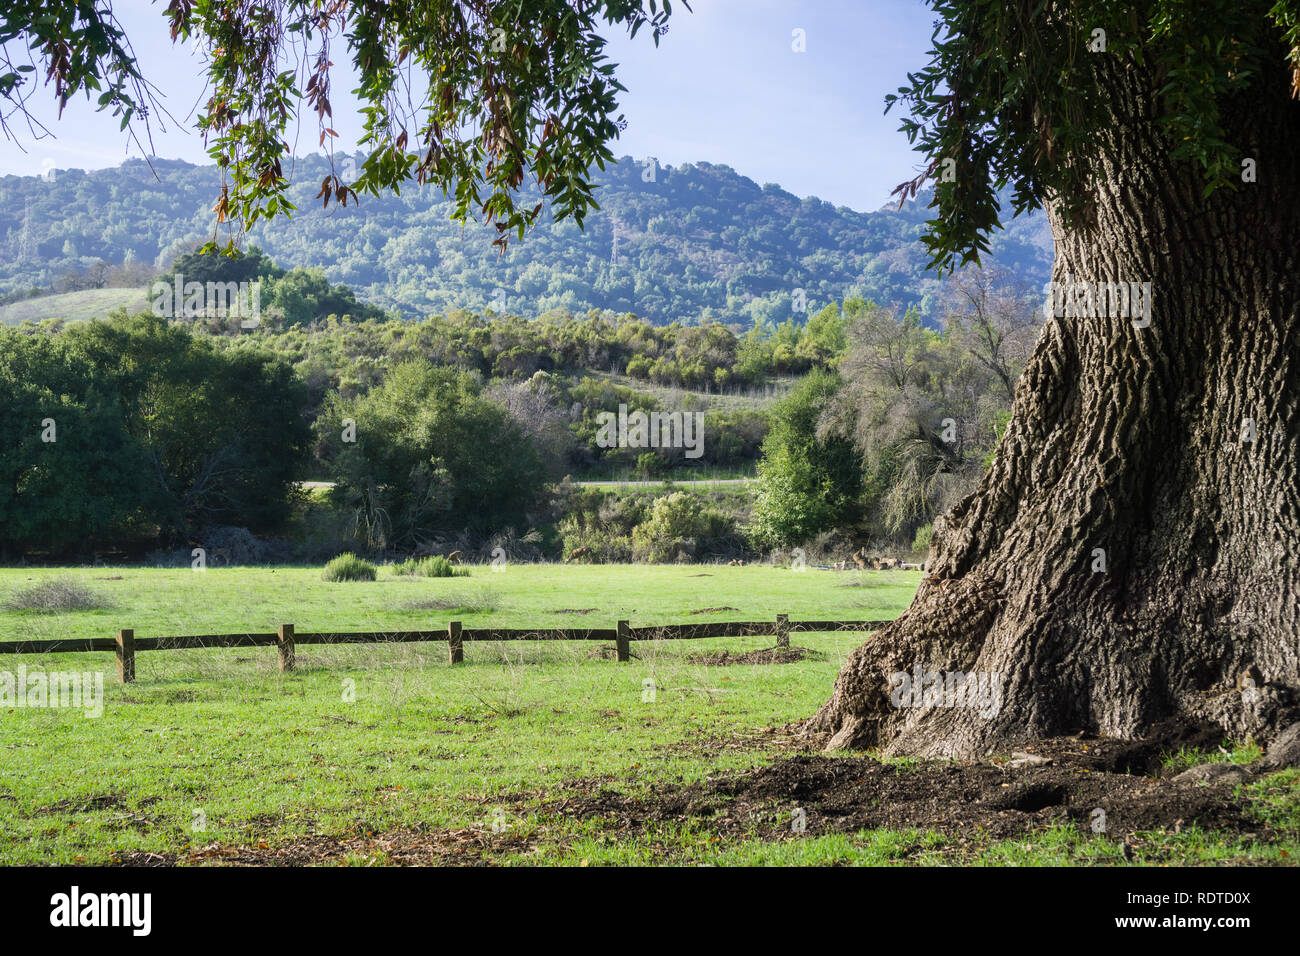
(134, 428)
(1016, 95)
(69, 470)
(425, 453)
(702, 241)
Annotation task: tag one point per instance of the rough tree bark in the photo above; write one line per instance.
(1129, 440)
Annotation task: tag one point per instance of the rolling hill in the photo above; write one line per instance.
(74, 306)
(670, 244)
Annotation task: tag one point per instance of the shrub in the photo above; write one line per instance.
(603, 544)
(435, 566)
(921, 543)
(602, 523)
(349, 567)
(806, 484)
(649, 465)
(57, 597)
(677, 524)
(435, 457)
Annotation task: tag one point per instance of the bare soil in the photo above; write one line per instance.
(767, 655)
(406, 847)
(1000, 798)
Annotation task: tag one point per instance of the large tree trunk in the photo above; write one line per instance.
(1129, 440)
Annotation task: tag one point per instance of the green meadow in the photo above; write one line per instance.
(211, 751)
(233, 600)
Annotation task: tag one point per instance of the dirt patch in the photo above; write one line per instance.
(971, 801)
(106, 801)
(768, 655)
(608, 652)
(405, 847)
(714, 610)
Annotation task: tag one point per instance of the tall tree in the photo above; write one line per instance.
(222, 430)
(69, 471)
(1132, 550)
(915, 405)
(807, 482)
(990, 314)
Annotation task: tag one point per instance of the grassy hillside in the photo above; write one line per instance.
(74, 306)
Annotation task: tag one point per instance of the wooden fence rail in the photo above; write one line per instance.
(126, 645)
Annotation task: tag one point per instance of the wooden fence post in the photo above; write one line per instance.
(284, 647)
(624, 641)
(455, 646)
(783, 630)
(126, 656)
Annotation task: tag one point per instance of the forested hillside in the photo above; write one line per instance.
(670, 244)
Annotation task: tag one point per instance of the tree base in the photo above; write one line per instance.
(962, 674)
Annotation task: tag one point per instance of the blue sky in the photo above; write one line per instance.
(724, 86)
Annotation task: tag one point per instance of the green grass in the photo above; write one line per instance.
(389, 738)
(433, 566)
(1277, 800)
(75, 306)
(384, 736)
(1187, 757)
(236, 600)
(1058, 846)
(349, 567)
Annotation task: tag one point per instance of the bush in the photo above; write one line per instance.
(349, 567)
(602, 527)
(649, 465)
(57, 597)
(432, 457)
(598, 545)
(601, 523)
(806, 484)
(677, 524)
(435, 566)
(921, 543)
(231, 545)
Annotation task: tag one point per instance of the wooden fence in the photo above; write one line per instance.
(286, 639)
